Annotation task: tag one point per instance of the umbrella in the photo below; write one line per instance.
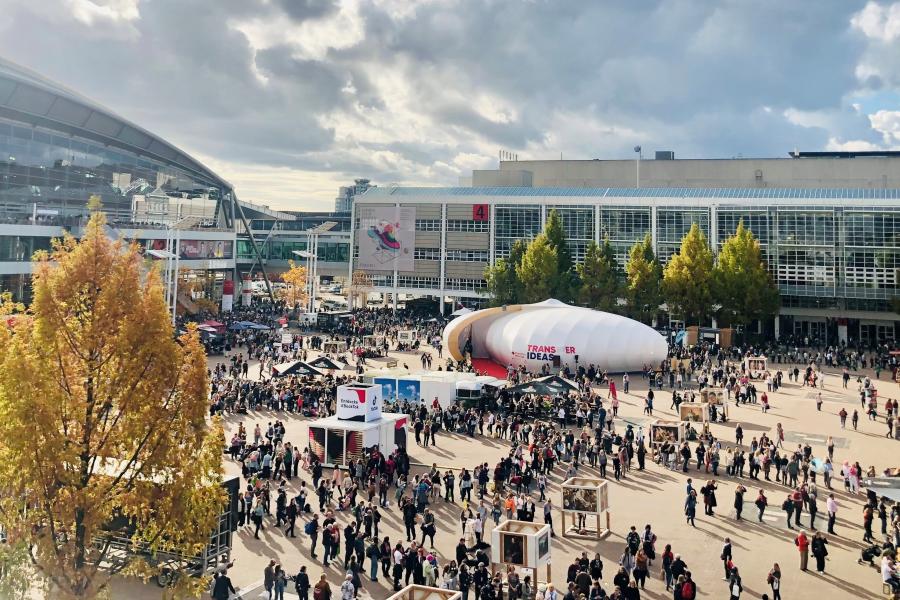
(260, 327)
(558, 383)
(323, 362)
(211, 323)
(296, 367)
(207, 328)
(238, 327)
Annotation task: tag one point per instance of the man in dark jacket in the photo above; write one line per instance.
(222, 587)
(301, 584)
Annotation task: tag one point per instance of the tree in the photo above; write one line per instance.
(564, 284)
(538, 270)
(503, 285)
(295, 293)
(687, 280)
(642, 288)
(742, 284)
(103, 417)
(599, 283)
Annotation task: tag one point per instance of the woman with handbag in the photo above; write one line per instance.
(774, 581)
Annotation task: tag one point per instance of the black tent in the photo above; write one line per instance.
(324, 362)
(296, 367)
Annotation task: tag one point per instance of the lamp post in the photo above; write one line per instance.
(309, 256)
(637, 164)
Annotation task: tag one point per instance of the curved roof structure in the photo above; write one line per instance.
(554, 333)
(29, 97)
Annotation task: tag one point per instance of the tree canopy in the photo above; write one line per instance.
(103, 413)
(503, 285)
(742, 285)
(687, 280)
(599, 285)
(564, 284)
(538, 270)
(643, 274)
(294, 294)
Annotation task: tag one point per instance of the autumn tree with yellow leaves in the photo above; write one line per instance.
(294, 294)
(103, 420)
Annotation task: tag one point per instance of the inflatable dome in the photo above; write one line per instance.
(554, 333)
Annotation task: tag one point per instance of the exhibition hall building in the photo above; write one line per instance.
(833, 251)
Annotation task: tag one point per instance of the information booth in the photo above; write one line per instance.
(358, 426)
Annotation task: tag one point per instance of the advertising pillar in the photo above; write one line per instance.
(227, 295)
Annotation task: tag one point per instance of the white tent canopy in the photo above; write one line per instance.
(460, 312)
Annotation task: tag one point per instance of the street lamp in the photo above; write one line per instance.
(637, 164)
(310, 261)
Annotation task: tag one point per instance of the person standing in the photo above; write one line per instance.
(802, 543)
(548, 516)
(832, 507)
(269, 578)
(819, 551)
(739, 501)
(312, 529)
(774, 581)
(301, 584)
(726, 557)
(222, 587)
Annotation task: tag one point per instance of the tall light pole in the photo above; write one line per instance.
(637, 164)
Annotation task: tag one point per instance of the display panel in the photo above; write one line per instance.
(317, 442)
(335, 447)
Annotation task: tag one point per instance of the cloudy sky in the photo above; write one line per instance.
(289, 99)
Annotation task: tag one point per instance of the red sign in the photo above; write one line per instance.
(481, 212)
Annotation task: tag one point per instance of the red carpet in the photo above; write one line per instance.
(486, 365)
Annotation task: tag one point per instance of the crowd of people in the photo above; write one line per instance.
(575, 432)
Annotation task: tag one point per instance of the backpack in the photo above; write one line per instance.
(317, 594)
(687, 590)
(308, 528)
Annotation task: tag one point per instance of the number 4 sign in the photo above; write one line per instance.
(481, 212)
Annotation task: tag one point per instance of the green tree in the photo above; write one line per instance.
(503, 285)
(599, 285)
(538, 270)
(742, 285)
(688, 278)
(642, 288)
(565, 283)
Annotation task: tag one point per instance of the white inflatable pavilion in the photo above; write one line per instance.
(554, 333)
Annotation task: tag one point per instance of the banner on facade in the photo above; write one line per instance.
(387, 237)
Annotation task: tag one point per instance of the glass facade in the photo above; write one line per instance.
(284, 250)
(20, 248)
(672, 224)
(578, 223)
(514, 223)
(624, 226)
(50, 176)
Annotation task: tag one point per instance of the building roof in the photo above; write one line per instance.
(29, 97)
(374, 194)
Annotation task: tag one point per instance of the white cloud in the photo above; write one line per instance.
(107, 12)
(836, 145)
(879, 22)
(887, 122)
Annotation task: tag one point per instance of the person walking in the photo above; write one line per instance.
(690, 507)
(734, 585)
(802, 543)
(774, 581)
(269, 578)
(761, 503)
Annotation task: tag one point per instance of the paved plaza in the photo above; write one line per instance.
(654, 496)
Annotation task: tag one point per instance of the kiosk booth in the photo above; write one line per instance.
(521, 544)
(755, 367)
(334, 347)
(373, 341)
(666, 431)
(358, 426)
(407, 336)
(583, 497)
(694, 412)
